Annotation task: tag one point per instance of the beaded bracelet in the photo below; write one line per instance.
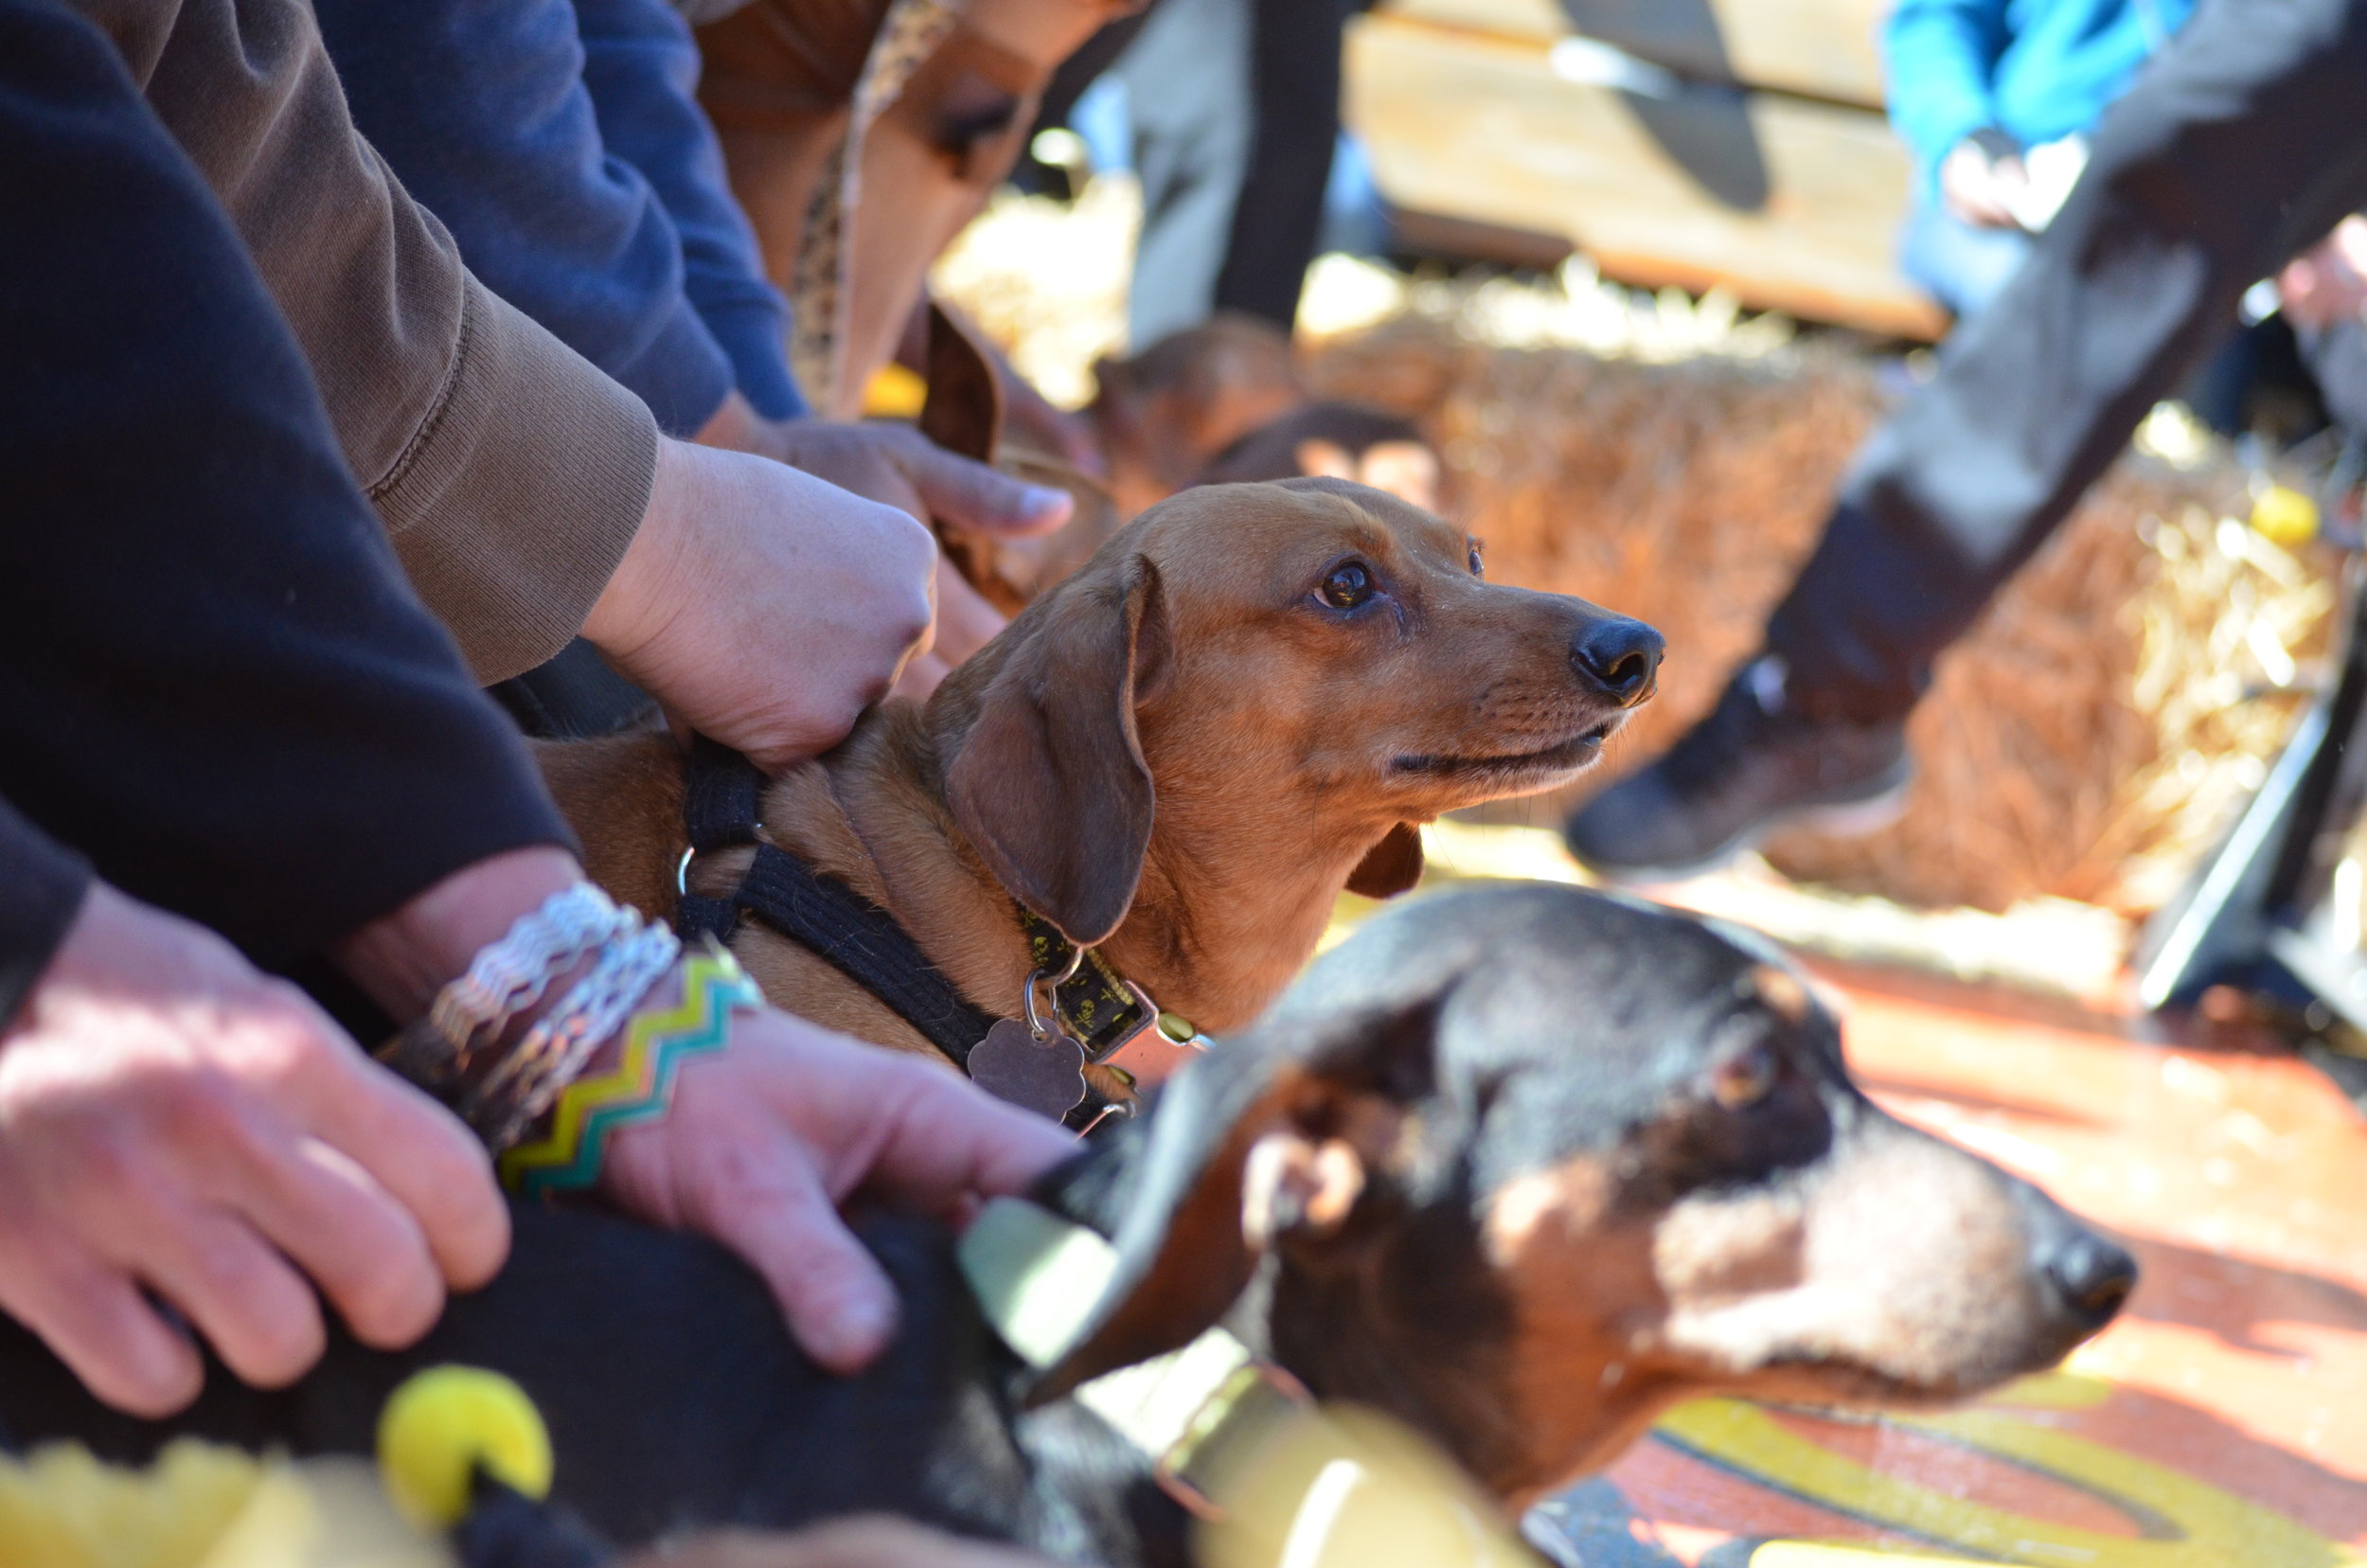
(641, 1086)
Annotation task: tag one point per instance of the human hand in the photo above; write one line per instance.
(898, 464)
(766, 1138)
(965, 623)
(2327, 283)
(1982, 186)
(901, 467)
(763, 606)
(174, 1122)
(860, 1542)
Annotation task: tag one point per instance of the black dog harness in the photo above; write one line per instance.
(1108, 1019)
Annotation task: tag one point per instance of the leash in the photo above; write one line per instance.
(1096, 1015)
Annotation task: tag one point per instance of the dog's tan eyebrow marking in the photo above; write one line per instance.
(1783, 993)
(1542, 1208)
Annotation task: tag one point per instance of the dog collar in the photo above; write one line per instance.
(1113, 1018)
(1097, 1015)
(1038, 1278)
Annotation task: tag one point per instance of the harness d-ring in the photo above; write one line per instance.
(1035, 1019)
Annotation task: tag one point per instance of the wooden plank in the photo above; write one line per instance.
(1792, 204)
(1822, 48)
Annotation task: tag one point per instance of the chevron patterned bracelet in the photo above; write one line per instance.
(641, 1084)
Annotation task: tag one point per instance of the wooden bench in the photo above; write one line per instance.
(1700, 143)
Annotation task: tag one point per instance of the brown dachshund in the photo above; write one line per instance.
(1224, 402)
(1180, 756)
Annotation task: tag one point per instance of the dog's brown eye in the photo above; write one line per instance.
(1744, 1079)
(1478, 569)
(1347, 586)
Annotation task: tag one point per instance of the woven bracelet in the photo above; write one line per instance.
(641, 1084)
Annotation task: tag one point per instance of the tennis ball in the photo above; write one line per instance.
(446, 1423)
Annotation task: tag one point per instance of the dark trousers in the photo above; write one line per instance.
(2243, 142)
(1236, 111)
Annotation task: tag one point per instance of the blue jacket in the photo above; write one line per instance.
(560, 143)
(2036, 69)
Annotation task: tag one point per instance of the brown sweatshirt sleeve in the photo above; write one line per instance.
(508, 470)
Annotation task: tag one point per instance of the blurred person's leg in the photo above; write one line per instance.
(2242, 142)
(1236, 109)
(1962, 267)
(2337, 356)
(1062, 93)
(1295, 77)
(1188, 97)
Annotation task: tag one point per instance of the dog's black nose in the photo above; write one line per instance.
(1618, 657)
(2091, 1274)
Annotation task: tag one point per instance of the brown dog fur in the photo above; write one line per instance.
(1224, 402)
(1180, 754)
(1164, 414)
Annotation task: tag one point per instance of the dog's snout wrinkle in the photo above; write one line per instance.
(1619, 657)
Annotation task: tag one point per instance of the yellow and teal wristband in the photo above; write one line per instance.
(641, 1084)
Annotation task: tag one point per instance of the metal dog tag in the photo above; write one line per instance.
(1045, 1075)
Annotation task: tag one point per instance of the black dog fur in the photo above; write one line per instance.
(1542, 1089)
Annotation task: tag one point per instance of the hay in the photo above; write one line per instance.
(1674, 460)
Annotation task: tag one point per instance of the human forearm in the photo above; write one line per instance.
(1938, 57)
(486, 114)
(510, 472)
(641, 68)
(541, 479)
(215, 683)
(404, 956)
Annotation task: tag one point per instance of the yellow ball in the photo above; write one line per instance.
(2285, 516)
(894, 393)
(447, 1422)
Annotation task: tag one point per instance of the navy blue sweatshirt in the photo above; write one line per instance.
(216, 687)
(562, 143)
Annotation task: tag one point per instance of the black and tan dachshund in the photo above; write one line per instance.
(1521, 1167)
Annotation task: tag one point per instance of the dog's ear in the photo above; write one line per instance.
(963, 412)
(1049, 783)
(1389, 866)
(1268, 1143)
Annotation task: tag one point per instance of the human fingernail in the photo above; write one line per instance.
(860, 1329)
(1044, 498)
